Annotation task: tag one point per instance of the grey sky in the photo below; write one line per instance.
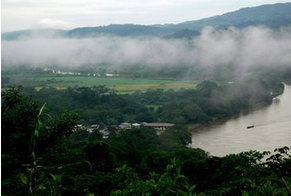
(68, 14)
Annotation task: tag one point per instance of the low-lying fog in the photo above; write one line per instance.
(248, 47)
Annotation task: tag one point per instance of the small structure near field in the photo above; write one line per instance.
(112, 74)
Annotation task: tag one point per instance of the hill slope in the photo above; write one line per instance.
(273, 16)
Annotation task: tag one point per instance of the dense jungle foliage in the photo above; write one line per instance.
(44, 154)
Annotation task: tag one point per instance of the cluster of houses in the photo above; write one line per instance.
(157, 126)
(124, 126)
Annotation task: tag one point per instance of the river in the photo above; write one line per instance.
(272, 129)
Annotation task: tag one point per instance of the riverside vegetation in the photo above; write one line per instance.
(44, 154)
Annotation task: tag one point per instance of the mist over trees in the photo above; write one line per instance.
(243, 48)
(244, 38)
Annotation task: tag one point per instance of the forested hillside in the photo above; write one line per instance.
(51, 157)
(273, 16)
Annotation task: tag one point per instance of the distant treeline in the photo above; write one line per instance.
(208, 102)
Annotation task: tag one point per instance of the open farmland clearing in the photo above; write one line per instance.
(121, 85)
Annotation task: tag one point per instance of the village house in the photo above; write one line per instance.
(158, 126)
(93, 127)
(124, 126)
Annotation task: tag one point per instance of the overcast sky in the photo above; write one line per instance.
(68, 14)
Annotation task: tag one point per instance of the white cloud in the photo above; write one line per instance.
(243, 48)
(56, 24)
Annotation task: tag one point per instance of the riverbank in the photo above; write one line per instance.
(258, 106)
(271, 130)
(197, 127)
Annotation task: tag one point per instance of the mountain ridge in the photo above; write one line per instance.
(259, 15)
(270, 15)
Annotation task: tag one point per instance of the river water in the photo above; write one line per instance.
(272, 129)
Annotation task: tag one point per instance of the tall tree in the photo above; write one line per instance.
(27, 132)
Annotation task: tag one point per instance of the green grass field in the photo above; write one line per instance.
(122, 85)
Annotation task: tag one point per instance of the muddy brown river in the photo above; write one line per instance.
(271, 129)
